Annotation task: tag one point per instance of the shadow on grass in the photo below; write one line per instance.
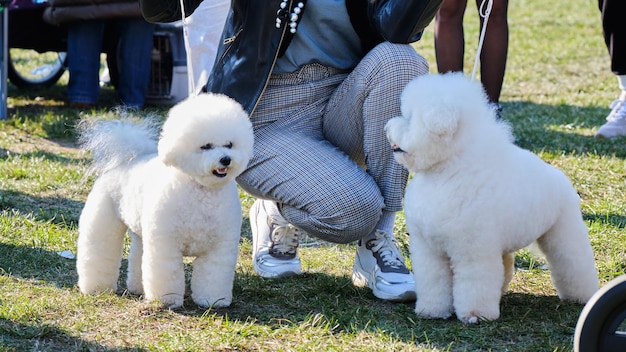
(57, 119)
(36, 100)
(16, 336)
(56, 210)
(553, 128)
(612, 220)
(33, 263)
(40, 154)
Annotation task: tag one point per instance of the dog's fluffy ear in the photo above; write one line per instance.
(166, 152)
(170, 133)
(423, 102)
(177, 127)
(442, 120)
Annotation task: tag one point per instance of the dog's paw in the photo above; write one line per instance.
(206, 302)
(135, 288)
(93, 284)
(95, 290)
(430, 313)
(476, 317)
(171, 301)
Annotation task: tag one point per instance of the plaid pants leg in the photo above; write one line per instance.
(356, 115)
(317, 176)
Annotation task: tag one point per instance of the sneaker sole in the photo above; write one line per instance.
(361, 280)
(273, 275)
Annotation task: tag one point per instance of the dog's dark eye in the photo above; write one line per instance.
(207, 146)
(229, 145)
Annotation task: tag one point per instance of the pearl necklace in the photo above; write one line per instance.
(283, 13)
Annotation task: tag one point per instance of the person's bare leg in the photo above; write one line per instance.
(449, 40)
(495, 49)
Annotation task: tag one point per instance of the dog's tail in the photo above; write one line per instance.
(116, 142)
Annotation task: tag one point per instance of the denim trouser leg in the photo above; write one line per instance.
(134, 55)
(84, 44)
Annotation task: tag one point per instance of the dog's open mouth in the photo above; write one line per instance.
(396, 149)
(220, 172)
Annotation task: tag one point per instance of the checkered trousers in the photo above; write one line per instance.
(320, 147)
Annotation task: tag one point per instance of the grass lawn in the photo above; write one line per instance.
(556, 92)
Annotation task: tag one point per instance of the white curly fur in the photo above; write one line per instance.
(475, 198)
(181, 201)
(116, 142)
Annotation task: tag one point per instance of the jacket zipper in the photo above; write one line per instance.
(232, 39)
(267, 78)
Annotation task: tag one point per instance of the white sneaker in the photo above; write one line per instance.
(380, 266)
(274, 242)
(616, 121)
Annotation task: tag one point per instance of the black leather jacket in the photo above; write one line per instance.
(251, 43)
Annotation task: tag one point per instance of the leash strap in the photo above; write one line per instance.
(483, 12)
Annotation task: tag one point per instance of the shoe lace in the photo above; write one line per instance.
(285, 236)
(387, 249)
(618, 110)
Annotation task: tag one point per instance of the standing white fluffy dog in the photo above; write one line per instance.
(176, 198)
(475, 198)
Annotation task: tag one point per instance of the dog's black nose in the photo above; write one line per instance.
(396, 149)
(225, 160)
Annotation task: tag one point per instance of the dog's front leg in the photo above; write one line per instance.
(478, 282)
(214, 273)
(163, 270)
(433, 280)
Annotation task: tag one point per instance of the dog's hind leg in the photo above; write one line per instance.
(570, 258)
(133, 281)
(508, 259)
(214, 273)
(100, 241)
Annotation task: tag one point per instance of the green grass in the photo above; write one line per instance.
(557, 88)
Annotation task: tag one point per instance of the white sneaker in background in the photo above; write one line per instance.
(616, 121)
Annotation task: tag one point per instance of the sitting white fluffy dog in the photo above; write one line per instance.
(475, 198)
(176, 196)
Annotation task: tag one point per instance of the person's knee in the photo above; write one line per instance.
(351, 223)
(398, 60)
(452, 11)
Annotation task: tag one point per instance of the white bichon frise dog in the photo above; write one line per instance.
(176, 196)
(475, 198)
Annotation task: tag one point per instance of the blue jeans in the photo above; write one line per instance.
(133, 48)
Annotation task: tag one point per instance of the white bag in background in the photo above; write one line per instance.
(204, 30)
